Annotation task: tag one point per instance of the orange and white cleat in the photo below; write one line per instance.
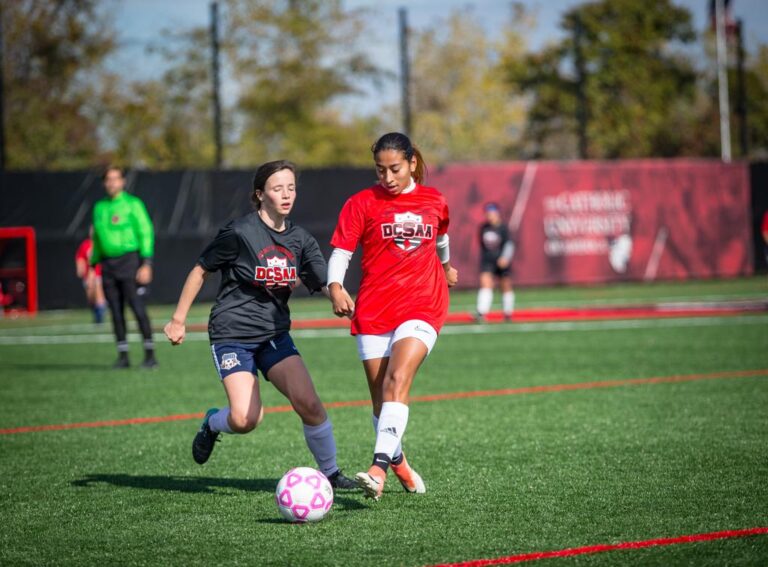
(409, 478)
(372, 482)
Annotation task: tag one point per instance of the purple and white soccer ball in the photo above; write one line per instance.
(304, 495)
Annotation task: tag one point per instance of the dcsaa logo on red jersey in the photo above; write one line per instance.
(276, 273)
(407, 231)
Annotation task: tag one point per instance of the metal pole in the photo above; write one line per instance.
(2, 94)
(741, 91)
(581, 97)
(216, 83)
(722, 81)
(405, 72)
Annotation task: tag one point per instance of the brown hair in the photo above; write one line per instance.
(111, 167)
(264, 172)
(401, 143)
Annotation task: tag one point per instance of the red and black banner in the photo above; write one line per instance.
(572, 222)
(591, 222)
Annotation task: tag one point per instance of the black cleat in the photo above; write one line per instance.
(202, 445)
(340, 482)
(122, 362)
(149, 363)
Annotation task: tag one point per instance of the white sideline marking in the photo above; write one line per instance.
(680, 302)
(511, 328)
(469, 303)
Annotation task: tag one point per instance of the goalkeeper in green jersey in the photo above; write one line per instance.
(123, 243)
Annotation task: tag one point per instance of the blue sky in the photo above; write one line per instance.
(142, 21)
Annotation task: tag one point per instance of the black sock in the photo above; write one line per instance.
(381, 460)
(149, 354)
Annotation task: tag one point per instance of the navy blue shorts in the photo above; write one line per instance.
(252, 357)
(493, 268)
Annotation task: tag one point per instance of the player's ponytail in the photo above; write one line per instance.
(401, 143)
(421, 167)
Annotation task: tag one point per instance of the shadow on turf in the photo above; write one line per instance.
(197, 484)
(179, 483)
(339, 502)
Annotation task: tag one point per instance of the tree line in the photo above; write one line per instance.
(627, 79)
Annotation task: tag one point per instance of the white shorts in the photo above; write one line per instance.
(380, 346)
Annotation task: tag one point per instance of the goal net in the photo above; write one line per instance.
(18, 270)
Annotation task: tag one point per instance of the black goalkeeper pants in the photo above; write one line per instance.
(120, 287)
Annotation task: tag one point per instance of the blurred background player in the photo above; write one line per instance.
(496, 250)
(261, 257)
(91, 278)
(402, 303)
(123, 242)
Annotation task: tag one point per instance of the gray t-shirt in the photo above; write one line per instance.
(259, 269)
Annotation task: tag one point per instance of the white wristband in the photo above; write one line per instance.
(337, 265)
(443, 251)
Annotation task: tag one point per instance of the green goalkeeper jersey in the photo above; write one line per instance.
(121, 225)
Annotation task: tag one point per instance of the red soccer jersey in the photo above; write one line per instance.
(402, 275)
(84, 253)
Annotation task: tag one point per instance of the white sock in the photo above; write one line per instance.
(484, 300)
(508, 302)
(392, 423)
(218, 422)
(398, 449)
(322, 445)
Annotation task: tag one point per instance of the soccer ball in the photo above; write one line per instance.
(304, 495)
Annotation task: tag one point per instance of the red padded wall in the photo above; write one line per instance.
(590, 222)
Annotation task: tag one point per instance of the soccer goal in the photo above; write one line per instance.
(18, 270)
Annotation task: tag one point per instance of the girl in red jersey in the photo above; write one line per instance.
(403, 298)
(91, 277)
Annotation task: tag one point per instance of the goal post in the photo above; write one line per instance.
(18, 270)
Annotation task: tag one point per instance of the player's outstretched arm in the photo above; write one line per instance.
(343, 306)
(176, 328)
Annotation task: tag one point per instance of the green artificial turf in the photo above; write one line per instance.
(506, 474)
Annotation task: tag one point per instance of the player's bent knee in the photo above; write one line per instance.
(397, 384)
(310, 409)
(244, 422)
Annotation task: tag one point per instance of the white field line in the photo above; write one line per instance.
(509, 328)
(634, 301)
(679, 302)
(86, 328)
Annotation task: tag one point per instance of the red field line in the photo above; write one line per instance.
(428, 398)
(599, 314)
(539, 315)
(570, 552)
(108, 423)
(591, 385)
